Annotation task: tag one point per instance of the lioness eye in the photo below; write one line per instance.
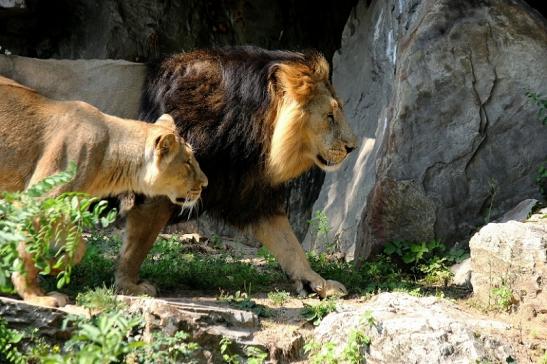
(330, 117)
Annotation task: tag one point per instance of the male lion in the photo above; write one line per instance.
(40, 136)
(256, 119)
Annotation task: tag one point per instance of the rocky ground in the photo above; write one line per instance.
(433, 325)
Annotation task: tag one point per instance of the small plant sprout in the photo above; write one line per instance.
(279, 298)
(316, 313)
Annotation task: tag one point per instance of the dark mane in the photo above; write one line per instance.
(223, 106)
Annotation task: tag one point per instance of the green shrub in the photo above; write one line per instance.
(104, 338)
(51, 227)
(9, 339)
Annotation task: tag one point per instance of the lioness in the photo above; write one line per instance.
(257, 119)
(40, 136)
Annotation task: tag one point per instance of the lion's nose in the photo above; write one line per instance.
(204, 182)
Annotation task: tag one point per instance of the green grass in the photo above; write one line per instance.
(99, 299)
(170, 267)
(279, 298)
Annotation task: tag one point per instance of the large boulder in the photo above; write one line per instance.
(435, 89)
(113, 86)
(407, 329)
(512, 256)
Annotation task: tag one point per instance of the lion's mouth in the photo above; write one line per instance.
(325, 162)
(328, 165)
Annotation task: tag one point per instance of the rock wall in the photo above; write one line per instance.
(436, 91)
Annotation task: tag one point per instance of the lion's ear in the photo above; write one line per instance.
(166, 121)
(165, 145)
(318, 64)
(294, 80)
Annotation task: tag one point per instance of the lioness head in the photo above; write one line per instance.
(309, 126)
(172, 168)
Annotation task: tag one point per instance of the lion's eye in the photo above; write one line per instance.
(330, 117)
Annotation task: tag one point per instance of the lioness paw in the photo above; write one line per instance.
(53, 299)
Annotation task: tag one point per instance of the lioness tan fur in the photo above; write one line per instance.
(40, 137)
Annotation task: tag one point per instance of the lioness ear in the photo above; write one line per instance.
(165, 144)
(166, 121)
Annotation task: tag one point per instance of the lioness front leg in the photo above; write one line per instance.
(277, 235)
(26, 285)
(143, 224)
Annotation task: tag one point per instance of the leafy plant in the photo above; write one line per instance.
(541, 103)
(502, 296)
(353, 351)
(279, 298)
(99, 299)
(321, 353)
(316, 313)
(319, 223)
(167, 349)
(427, 260)
(50, 227)
(9, 339)
(105, 338)
(226, 352)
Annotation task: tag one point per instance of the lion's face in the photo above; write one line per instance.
(173, 170)
(330, 138)
(309, 127)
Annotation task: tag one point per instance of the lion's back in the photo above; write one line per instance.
(222, 106)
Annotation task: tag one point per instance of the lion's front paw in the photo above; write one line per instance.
(324, 288)
(333, 289)
(136, 289)
(53, 299)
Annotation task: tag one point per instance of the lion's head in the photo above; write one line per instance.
(309, 126)
(172, 169)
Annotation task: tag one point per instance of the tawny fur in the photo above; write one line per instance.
(257, 119)
(40, 137)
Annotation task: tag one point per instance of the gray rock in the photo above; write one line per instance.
(207, 322)
(511, 255)
(436, 92)
(113, 86)
(46, 320)
(462, 273)
(521, 212)
(409, 329)
(13, 4)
